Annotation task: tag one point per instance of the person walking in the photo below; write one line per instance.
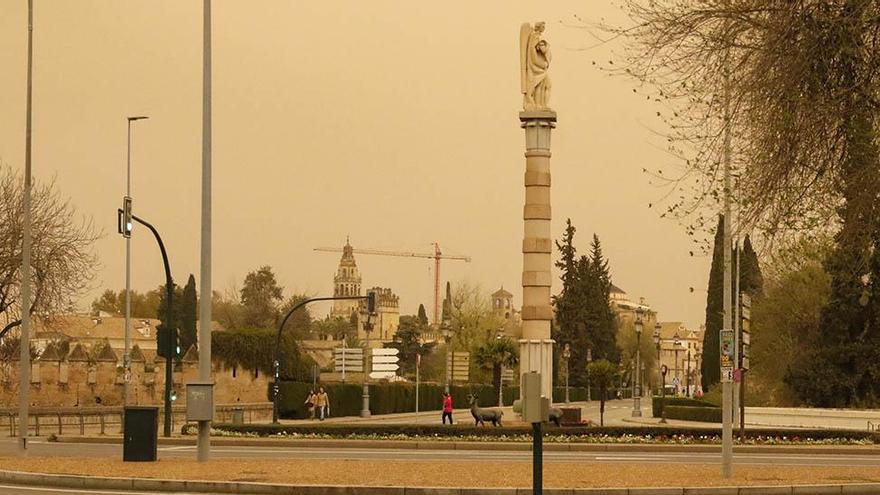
(447, 407)
(310, 404)
(323, 402)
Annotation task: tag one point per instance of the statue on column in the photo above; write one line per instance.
(534, 64)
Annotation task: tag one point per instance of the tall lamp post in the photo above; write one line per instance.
(566, 355)
(127, 203)
(689, 371)
(676, 343)
(637, 404)
(589, 361)
(450, 354)
(657, 329)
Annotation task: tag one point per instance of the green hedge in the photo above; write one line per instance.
(463, 430)
(347, 399)
(677, 401)
(691, 413)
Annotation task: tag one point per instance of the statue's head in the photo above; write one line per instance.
(539, 26)
(542, 46)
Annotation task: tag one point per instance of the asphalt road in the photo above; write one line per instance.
(46, 449)
(32, 490)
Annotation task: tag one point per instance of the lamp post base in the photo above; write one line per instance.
(365, 412)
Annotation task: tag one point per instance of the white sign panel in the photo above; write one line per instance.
(386, 352)
(378, 375)
(385, 367)
(385, 359)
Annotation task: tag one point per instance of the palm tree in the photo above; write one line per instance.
(494, 355)
(603, 375)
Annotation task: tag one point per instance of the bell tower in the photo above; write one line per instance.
(346, 282)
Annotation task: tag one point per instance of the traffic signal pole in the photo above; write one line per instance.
(169, 351)
(276, 390)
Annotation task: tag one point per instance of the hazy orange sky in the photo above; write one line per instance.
(394, 122)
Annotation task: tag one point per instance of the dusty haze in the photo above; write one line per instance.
(394, 122)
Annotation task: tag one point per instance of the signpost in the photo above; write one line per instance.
(349, 360)
(744, 352)
(384, 363)
(460, 364)
(727, 355)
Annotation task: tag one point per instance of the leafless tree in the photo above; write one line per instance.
(62, 259)
(800, 77)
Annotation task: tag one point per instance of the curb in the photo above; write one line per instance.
(508, 446)
(148, 484)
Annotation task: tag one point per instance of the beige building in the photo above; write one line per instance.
(502, 307)
(387, 317)
(681, 350)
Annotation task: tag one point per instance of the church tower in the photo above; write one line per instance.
(346, 282)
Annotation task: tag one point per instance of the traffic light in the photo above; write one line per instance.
(162, 343)
(125, 222)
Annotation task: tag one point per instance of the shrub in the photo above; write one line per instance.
(677, 401)
(692, 413)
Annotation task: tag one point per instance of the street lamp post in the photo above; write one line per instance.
(566, 355)
(637, 404)
(689, 372)
(450, 355)
(126, 356)
(589, 360)
(676, 343)
(657, 329)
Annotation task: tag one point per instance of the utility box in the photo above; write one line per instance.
(200, 401)
(535, 409)
(140, 434)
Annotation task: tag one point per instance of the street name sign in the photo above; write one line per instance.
(385, 367)
(386, 352)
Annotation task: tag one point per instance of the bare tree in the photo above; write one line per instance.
(800, 78)
(63, 261)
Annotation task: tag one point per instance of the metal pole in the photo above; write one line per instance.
(169, 352)
(726, 388)
(537, 459)
(637, 392)
(689, 373)
(205, 318)
(736, 335)
(25, 339)
(418, 363)
(126, 353)
(567, 371)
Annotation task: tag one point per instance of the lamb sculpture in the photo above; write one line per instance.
(482, 414)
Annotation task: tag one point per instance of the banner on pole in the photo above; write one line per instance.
(727, 355)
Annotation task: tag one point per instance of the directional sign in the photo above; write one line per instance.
(378, 375)
(385, 359)
(386, 352)
(385, 367)
(348, 359)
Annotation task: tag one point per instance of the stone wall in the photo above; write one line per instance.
(81, 379)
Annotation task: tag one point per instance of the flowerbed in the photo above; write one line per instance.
(590, 435)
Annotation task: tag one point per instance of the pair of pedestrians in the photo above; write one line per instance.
(318, 401)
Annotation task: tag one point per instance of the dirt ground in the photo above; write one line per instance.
(446, 473)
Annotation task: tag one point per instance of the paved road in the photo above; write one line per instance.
(32, 490)
(41, 449)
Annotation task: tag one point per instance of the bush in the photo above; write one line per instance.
(677, 401)
(692, 413)
(386, 398)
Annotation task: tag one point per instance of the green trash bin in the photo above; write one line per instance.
(140, 436)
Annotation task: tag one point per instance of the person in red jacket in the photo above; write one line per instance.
(447, 407)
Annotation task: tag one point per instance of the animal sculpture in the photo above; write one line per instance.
(483, 414)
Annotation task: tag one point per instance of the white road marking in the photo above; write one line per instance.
(79, 490)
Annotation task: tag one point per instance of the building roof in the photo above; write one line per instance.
(502, 294)
(616, 290)
(669, 329)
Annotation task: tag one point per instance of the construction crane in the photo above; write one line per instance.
(437, 255)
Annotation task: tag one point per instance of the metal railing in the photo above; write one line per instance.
(108, 420)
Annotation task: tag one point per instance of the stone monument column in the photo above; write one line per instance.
(538, 120)
(536, 347)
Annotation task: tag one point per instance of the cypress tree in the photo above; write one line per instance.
(423, 316)
(710, 367)
(751, 280)
(603, 326)
(188, 311)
